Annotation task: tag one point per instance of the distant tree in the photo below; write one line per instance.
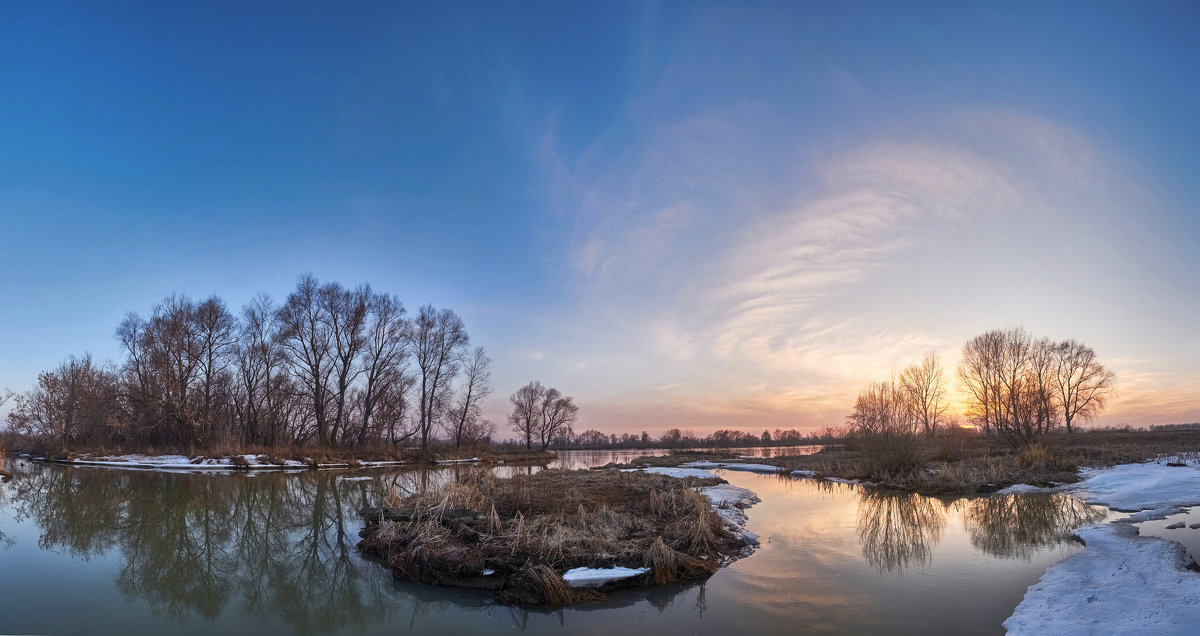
(558, 413)
(886, 428)
(527, 403)
(1082, 384)
(672, 438)
(924, 392)
(765, 437)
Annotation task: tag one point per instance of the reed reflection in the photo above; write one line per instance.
(1017, 526)
(897, 531)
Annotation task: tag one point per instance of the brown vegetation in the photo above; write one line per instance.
(961, 461)
(4, 474)
(530, 529)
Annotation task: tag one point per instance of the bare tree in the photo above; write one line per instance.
(72, 404)
(977, 371)
(1024, 387)
(924, 392)
(216, 332)
(886, 427)
(466, 411)
(345, 315)
(558, 413)
(263, 380)
(437, 340)
(308, 343)
(384, 358)
(1082, 384)
(526, 413)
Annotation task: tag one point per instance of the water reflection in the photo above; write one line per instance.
(276, 553)
(282, 544)
(1017, 526)
(269, 546)
(898, 530)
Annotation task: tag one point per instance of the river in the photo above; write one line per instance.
(111, 551)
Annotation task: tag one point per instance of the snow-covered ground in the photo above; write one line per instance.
(1121, 583)
(183, 462)
(753, 468)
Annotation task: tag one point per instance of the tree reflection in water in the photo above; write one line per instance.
(276, 546)
(898, 530)
(1017, 526)
(283, 544)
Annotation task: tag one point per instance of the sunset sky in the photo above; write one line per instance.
(692, 215)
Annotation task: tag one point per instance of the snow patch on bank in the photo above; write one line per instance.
(728, 501)
(596, 577)
(679, 473)
(200, 462)
(752, 468)
(1121, 582)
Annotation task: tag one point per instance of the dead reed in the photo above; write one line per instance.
(528, 527)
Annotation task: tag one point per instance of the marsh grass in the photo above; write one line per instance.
(527, 526)
(960, 462)
(5, 475)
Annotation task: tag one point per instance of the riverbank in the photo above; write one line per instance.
(967, 464)
(291, 458)
(560, 536)
(1122, 583)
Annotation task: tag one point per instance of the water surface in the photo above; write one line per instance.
(94, 550)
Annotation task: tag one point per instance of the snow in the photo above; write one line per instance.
(364, 478)
(753, 468)
(457, 461)
(679, 472)
(1022, 489)
(489, 572)
(1121, 582)
(183, 462)
(596, 577)
(1133, 487)
(728, 501)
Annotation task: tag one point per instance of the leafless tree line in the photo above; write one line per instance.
(329, 365)
(1018, 388)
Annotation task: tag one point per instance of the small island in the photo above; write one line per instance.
(560, 536)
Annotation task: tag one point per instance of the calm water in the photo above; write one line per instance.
(91, 550)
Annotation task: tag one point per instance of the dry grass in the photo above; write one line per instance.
(958, 463)
(4, 474)
(524, 527)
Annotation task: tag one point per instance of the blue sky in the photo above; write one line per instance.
(683, 214)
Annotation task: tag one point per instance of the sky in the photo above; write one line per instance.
(693, 215)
